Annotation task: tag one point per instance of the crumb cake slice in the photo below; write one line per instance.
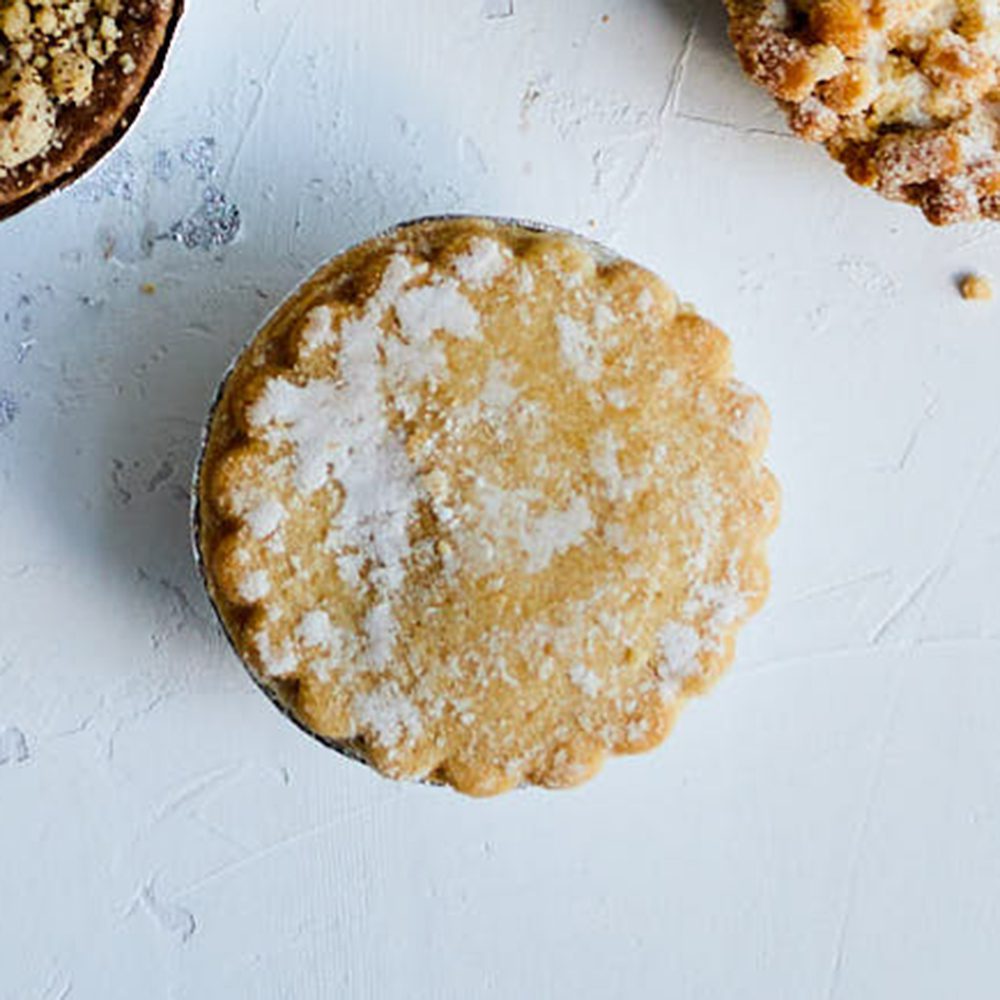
(904, 93)
(481, 506)
(72, 76)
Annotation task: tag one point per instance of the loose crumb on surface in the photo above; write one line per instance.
(976, 288)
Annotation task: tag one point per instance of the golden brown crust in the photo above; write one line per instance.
(482, 509)
(902, 92)
(88, 116)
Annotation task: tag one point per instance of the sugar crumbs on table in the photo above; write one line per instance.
(976, 288)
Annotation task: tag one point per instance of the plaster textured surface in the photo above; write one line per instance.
(825, 825)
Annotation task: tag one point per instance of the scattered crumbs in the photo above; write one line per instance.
(13, 746)
(9, 408)
(976, 288)
(147, 288)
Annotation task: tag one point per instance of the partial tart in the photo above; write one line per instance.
(904, 93)
(482, 505)
(73, 74)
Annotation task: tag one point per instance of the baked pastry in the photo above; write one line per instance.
(480, 505)
(73, 74)
(902, 92)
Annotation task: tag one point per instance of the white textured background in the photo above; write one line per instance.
(826, 825)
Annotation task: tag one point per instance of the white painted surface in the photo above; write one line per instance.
(825, 825)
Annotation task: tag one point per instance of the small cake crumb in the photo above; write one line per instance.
(147, 288)
(976, 288)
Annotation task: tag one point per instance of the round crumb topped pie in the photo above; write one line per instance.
(482, 505)
(72, 76)
(904, 93)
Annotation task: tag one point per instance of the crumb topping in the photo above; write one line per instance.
(902, 92)
(49, 53)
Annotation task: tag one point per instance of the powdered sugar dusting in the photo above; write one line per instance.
(301, 414)
(679, 647)
(484, 263)
(339, 432)
(318, 329)
(580, 351)
(265, 519)
(439, 306)
(604, 317)
(315, 630)
(277, 663)
(388, 715)
(380, 632)
(749, 415)
(586, 680)
(725, 604)
(706, 513)
(604, 458)
(498, 393)
(255, 587)
(507, 519)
